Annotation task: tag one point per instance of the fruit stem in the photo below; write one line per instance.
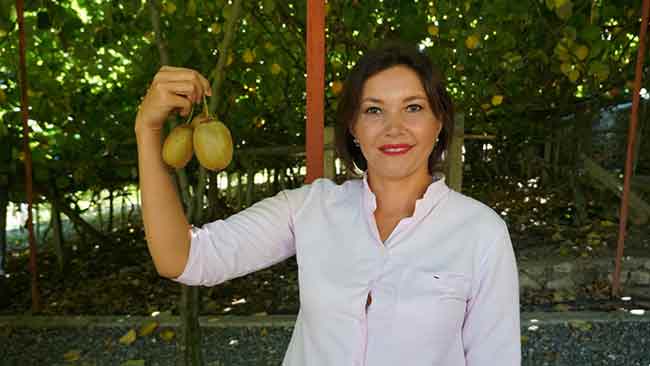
(205, 107)
(189, 116)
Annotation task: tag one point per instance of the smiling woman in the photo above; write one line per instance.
(393, 268)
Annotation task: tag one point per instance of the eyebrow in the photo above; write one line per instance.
(377, 100)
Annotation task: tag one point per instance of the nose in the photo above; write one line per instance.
(394, 124)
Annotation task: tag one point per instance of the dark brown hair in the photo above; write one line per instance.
(373, 62)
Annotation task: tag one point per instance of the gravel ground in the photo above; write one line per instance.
(100, 346)
(577, 344)
(572, 342)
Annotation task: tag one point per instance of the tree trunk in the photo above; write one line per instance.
(46, 232)
(639, 133)
(4, 202)
(37, 220)
(214, 201)
(295, 176)
(250, 184)
(547, 161)
(240, 191)
(579, 199)
(640, 209)
(5, 173)
(455, 154)
(584, 132)
(229, 188)
(329, 155)
(189, 342)
(100, 215)
(81, 224)
(556, 155)
(110, 210)
(276, 178)
(578, 194)
(137, 202)
(529, 159)
(269, 182)
(282, 178)
(57, 237)
(123, 209)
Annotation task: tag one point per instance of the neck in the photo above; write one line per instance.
(397, 197)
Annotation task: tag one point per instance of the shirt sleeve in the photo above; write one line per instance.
(491, 331)
(252, 239)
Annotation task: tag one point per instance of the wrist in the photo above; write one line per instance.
(143, 131)
(146, 136)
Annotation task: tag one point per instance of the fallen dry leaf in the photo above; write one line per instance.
(128, 338)
(72, 356)
(147, 329)
(133, 363)
(167, 335)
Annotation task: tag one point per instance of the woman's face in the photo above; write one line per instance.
(395, 126)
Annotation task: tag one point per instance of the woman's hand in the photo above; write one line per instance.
(172, 89)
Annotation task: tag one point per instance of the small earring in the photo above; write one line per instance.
(356, 142)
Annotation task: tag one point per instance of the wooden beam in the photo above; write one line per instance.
(315, 88)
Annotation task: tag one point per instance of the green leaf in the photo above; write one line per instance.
(268, 6)
(565, 11)
(591, 33)
(550, 4)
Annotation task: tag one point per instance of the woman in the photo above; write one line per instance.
(394, 268)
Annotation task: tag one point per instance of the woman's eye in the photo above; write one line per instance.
(414, 108)
(373, 110)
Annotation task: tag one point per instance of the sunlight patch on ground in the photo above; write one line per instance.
(238, 301)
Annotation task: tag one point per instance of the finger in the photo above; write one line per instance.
(182, 104)
(176, 74)
(170, 73)
(188, 89)
(206, 85)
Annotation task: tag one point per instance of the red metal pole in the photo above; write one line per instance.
(36, 298)
(315, 88)
(631, 137)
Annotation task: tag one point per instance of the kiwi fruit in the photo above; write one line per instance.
(213, 144)
(178, 149)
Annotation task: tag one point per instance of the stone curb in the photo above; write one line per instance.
(280, 321)
(569, 274)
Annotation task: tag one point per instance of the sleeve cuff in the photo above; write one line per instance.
(191, 273)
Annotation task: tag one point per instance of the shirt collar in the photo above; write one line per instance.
(432, 196)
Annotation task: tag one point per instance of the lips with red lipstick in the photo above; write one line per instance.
(395, 149)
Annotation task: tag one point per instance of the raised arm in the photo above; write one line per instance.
(166, 227)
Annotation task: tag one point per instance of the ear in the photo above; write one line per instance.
(440, 125)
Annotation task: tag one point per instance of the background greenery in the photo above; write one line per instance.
(551, 80)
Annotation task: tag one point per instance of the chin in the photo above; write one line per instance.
(396, 173)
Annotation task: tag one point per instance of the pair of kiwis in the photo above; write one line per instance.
(206, 136)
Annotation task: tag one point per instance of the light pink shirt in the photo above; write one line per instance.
(444, 284)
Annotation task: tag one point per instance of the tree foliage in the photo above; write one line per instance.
(513, 67)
